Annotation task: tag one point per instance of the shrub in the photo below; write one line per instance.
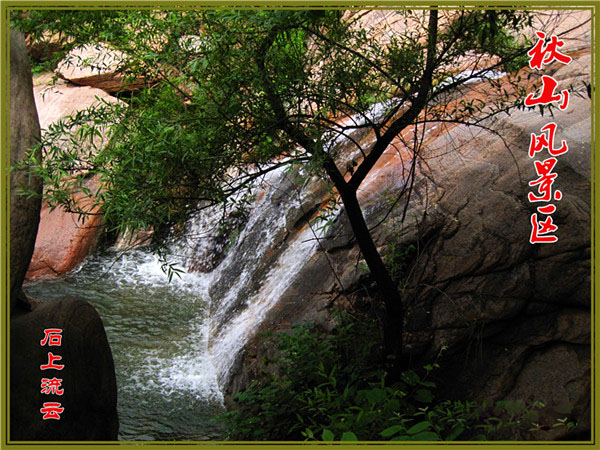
(332, 387)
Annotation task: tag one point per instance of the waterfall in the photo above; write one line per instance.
(174, 343)
(268, 253)
(274, 244)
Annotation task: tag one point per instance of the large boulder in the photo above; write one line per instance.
(56, 99)
(510, 319)
(89, 387)
(386, 23)
(517, 314)
(24, 133)
(65, 239)
(98, 66)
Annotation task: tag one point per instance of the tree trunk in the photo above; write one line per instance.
(394, 311)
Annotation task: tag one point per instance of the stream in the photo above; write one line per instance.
(174, 344)
(167, 385)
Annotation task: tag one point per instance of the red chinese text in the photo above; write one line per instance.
(543, 53)
(545, 141)
(52, 386)
(51, 365)
(52, 337)
(51, 410)
(540, 229)
(545, 181)
(548, 96)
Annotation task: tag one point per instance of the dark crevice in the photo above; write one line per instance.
(304, 219)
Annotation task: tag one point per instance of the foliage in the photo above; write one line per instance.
(234, 94)
(398, 258)
(254, 86)
(330, 387)
(312, 369)
(55, 32)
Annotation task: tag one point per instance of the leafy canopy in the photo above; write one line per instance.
(233, 94)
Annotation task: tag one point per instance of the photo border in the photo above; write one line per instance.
(7, 6)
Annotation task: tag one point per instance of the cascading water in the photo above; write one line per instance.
(175, 343)
(262, 262)
(278, 255)
(167, 389)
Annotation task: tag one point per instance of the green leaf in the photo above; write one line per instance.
(404, 437)
(375, 395)
(327, 435)
(426, 436)
(349, 436)
(456, 432)
(392, 430)
(421, 426)
(410, 378)
(423, 396)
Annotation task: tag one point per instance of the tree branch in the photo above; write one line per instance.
(409, 116)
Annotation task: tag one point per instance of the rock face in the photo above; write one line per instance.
(88, 378)
(63, 240)
(515, 317)
(89, 387)
(482, 286)
(96, 66)
(55, 101)
(24, 131)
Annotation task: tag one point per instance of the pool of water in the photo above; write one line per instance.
(158, 333)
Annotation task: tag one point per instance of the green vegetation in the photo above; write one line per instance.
(332, 387)
(398, 258)
(233, 94)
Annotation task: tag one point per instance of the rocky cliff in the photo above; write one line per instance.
(24, 132)
(514, 317)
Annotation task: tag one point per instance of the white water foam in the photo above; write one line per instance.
(244, 286)
(238, 313)
(191, 364)
(229, 343)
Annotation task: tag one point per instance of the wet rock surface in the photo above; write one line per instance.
(514, 317)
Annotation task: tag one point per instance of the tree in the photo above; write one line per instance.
(236, 94)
